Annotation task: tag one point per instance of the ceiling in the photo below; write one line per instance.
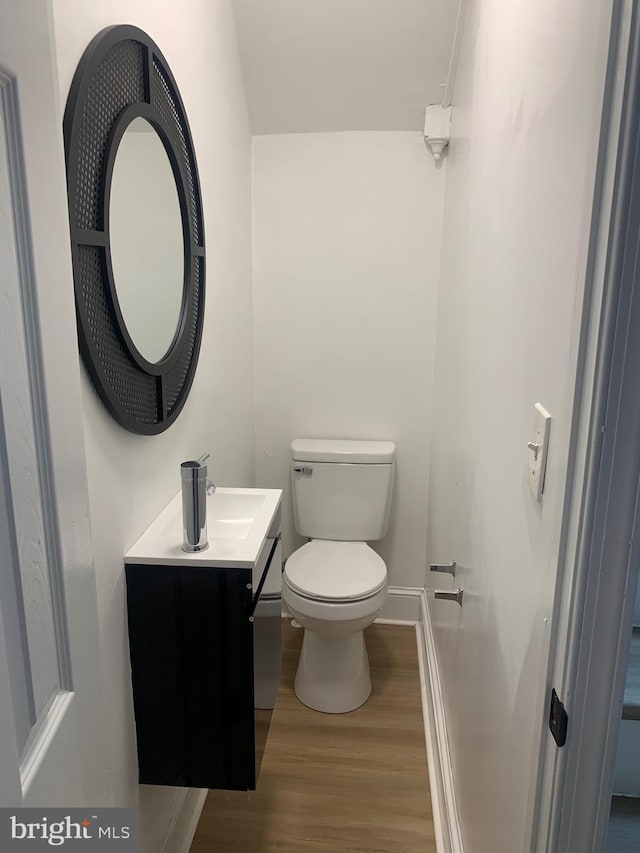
(333, 65)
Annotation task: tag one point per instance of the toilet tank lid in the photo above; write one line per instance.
(342, 450)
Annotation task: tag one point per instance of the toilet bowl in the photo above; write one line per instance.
(336, 584)
(334, 608)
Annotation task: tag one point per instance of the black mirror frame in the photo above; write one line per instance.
(122, 76)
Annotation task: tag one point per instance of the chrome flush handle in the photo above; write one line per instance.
(302, 469)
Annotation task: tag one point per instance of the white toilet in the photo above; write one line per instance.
(335, 585)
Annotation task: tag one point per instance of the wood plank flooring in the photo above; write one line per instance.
(623, 834)
(631, 707)
(349, 783)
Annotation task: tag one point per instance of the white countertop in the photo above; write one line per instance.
(238, 521)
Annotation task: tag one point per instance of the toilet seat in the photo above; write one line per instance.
(332, 571)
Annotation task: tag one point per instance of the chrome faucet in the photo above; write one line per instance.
(195, 487)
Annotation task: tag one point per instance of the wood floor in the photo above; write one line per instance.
(349, 783)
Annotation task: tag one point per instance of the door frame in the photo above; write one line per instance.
(600, 550)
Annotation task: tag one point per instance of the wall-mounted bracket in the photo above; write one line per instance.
(449, 595)
(448, 568)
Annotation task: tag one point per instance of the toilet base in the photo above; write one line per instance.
(333, 672)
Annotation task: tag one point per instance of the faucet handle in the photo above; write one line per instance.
(211, 486)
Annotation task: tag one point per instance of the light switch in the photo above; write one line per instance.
(537, 450)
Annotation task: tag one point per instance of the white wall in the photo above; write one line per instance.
(131, 477)
(520, 178)
(346, 244)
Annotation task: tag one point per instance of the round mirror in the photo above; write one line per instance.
(137, 231)
(147, 242)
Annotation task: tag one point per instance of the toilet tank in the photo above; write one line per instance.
(342, 489)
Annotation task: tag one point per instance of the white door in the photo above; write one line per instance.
(50, 707)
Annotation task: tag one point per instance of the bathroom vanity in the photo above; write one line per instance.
(204, 638)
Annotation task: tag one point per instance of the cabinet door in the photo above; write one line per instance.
(192, 671)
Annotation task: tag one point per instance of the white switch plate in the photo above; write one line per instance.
(537, 450)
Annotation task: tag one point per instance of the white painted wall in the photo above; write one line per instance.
(132, 477)
(520, 178)
(346, 246)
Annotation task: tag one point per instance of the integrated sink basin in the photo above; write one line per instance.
(231, 515)
(238, 522)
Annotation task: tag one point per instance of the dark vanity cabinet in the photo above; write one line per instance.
(205, 666)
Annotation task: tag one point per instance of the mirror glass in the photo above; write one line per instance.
(147, 244)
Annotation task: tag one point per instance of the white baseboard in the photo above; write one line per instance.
(445, 814)
(402, 606)
(185, 822)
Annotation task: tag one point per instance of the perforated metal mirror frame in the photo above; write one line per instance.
(123, 75)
